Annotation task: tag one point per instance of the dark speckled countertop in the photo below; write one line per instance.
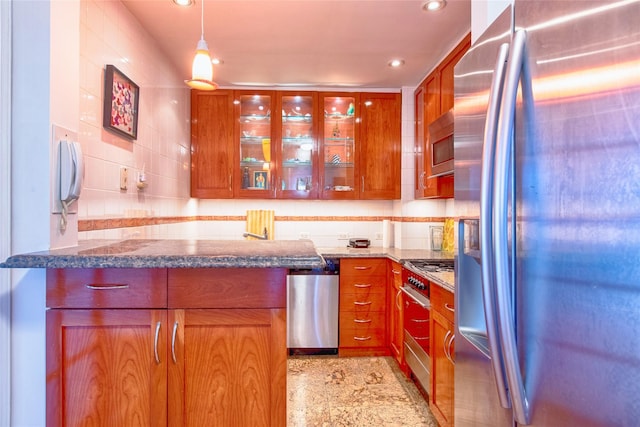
(168, 253)
(142, 253)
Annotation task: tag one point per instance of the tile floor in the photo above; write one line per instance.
(352, 391)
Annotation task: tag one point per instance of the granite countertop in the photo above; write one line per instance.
(164, 253)
(170, 253)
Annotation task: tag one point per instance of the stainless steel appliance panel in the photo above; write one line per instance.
(563, 228)
(312, 311)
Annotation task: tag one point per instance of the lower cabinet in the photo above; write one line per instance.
(363, 305)
(204, 363)
(441, 397)
(396, 315)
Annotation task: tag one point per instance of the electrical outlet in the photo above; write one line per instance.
(378, 236)
(343, 236)
(123, 178)
(304, 235)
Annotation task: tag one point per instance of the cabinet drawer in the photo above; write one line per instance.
(361, 303)
(363, 267)
(227, 288)
(107, 288)
(362, 285)
(361, 335)
(442, 301)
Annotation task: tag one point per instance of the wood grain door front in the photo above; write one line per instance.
(228, 367)
(106, 368)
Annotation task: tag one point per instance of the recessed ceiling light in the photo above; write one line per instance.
(183, 2)
(395, 63)
(433, 5)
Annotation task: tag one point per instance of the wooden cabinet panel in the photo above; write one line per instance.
(363, 268)
(396, 327)
(441, 398)
(433, 97)
(106, 368)
(363, 306)
(227, 288)
(212, 144)
(106, 288)
(229, 368)
(380, 146)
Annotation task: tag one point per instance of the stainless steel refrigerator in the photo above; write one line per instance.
(547, 189)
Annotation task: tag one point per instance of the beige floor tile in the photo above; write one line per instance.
(352, 391)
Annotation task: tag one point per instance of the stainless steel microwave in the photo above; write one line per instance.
(441, 145)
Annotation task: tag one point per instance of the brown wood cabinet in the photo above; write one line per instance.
(396, 309)
(210, 349)
(295, 145)
(441, 396)
(433, 97)
(212, 144)
(363, 305)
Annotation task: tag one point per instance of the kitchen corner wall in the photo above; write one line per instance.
(110, 35)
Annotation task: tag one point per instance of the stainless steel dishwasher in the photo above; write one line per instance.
(312, 309)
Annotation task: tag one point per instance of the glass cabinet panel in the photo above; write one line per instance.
(339, 138)
(255, 142)
(297, 148)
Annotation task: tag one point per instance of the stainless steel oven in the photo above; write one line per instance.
(417, 314)
(441, 144)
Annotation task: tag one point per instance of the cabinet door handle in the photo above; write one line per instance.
(362, 338)
(362, 302)
(420, 320)
(361, 267)
(362, 320)
(155, 343)
(173, 342)
(398, 304)
(106, 287)
(396, 272)
(449, 307)
(447, 345)
(362, 180)
(362, 285)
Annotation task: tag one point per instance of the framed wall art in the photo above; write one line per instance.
(121, 96)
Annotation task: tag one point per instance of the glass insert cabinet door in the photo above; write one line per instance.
(298, 174)
(338, 145)
(255, 142)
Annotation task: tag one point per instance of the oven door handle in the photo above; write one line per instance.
(417, 301)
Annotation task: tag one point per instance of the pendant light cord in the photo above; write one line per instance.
(202, 21)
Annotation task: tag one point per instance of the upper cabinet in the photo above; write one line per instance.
(297, 149)
(434, 97)
(212, 144)
(295, 145)
(361, 146)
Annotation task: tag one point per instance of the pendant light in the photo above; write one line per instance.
(202, 69)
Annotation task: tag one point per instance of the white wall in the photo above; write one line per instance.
(483, 13)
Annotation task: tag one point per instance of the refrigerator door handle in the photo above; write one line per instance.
(517, 70)
(486, 215)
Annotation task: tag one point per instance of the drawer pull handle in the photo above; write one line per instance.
(420, 338)
(362, 320)
(361, 268)
(420, 320)
(155, 343)
(362, 285)
(396, 272)
(173, 342)
(362, 338)
(448, 307)
(106, 287)
(362, 302)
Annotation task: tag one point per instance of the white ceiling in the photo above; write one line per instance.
(315, 43)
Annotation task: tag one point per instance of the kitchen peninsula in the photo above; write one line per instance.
(167, 332)
(189, 332)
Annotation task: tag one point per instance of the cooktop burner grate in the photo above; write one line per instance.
(431, 266)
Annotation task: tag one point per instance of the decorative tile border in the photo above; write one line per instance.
(111, 223)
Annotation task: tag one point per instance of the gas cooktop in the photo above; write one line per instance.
(420, 266)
